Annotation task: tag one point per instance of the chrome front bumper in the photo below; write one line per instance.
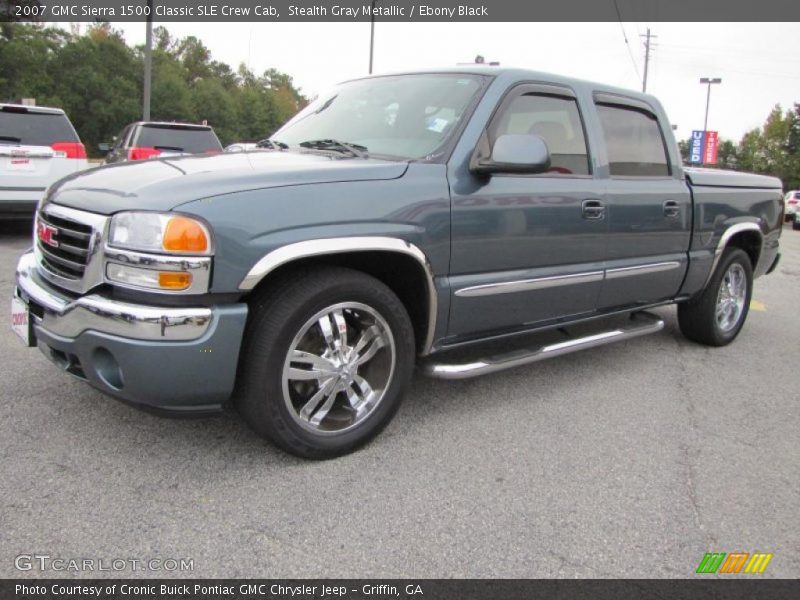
(68, 317)
(180, 360)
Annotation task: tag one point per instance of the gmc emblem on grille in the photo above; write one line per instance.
(46, 234)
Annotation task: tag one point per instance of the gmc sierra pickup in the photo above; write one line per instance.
(394, 220)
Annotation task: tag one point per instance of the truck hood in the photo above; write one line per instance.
(164, 184)
(721, 178)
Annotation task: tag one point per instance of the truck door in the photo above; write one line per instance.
(528, 249)
(649, 206)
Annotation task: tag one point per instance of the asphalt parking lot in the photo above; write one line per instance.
(631, 460)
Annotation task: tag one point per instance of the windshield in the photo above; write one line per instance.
(194, 140)
(406, 116)
(34, 128)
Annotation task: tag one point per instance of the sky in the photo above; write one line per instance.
(759, 63)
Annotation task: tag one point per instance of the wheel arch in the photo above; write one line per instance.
(399, 264)
(747, 236)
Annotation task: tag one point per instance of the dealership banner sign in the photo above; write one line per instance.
(398, 10)
(703, 147)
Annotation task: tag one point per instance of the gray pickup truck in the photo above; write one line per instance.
(400, 220)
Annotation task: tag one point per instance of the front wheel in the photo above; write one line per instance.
(326, 360)
(717, 315)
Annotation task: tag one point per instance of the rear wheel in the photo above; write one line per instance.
(327, 358)
(795, 224)
(718, 314)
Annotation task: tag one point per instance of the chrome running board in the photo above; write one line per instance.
(640, 323)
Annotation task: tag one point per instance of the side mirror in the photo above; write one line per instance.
(104, 147)
(514, 153)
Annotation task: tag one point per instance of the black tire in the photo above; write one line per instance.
(796, 225)
(278, 317)
(698, 317)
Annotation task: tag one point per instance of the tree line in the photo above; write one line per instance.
(772, 149)
(97, 78)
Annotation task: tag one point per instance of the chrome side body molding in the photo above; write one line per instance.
(526, 285)
(642, 269)
(318, 247)
(539, 283)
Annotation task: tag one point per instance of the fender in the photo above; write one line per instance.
(320, 247)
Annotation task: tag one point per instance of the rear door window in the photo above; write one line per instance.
(194, 140)
(20, 126)
(634, 141)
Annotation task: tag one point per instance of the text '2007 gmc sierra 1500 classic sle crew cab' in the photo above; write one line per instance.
(392, 221)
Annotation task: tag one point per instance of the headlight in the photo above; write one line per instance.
(160, 233)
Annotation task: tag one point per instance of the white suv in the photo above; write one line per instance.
(38, 146)
(791, 201)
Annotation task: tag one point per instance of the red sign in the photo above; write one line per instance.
(710, 148)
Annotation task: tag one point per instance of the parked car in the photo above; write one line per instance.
(241, 147)
(38, 145)
(396, 219)
(791, 201)
(149, 139)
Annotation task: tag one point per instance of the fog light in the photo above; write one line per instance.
(148, 278)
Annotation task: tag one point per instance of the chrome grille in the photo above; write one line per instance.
(73, 260)
(70, 254)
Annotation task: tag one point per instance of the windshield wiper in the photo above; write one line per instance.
(10, 138)
(336, 146)
(272, 145)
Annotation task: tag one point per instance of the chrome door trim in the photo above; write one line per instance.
(647, 269)
(318, 247)
(525, 285)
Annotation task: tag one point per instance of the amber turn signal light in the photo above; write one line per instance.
(169, 280)
(185, 235)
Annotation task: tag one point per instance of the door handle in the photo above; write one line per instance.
(593, 209)
(671, 209)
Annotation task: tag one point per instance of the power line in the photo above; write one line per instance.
(627, 44)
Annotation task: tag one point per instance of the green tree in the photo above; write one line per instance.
(773, 149)
(97, 79)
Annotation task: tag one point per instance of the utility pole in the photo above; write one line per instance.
(148, 62)
(371, 33)
(647, 45)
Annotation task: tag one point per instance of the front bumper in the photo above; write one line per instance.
(174, 359)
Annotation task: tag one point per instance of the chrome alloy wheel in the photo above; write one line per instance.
(731, 297)
(338, 368)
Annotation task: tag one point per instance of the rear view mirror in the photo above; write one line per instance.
(515, 153)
